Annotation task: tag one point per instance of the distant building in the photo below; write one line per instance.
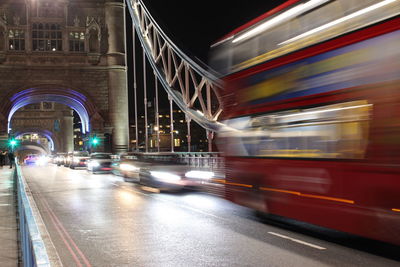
(198, 134)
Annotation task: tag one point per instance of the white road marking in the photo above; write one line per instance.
(297, 241)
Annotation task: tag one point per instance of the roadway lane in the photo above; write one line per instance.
(99, 220)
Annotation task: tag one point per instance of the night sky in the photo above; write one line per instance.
(193, 26)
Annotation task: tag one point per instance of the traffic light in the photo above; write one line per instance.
(12, 143)
(94, 141)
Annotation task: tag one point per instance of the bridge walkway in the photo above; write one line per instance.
(8, 220)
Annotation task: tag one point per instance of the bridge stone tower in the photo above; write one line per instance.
(71, 52)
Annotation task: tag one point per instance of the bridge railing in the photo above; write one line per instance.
(210, 160)
(32, 246)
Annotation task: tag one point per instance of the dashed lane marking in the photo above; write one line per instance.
(297, 240)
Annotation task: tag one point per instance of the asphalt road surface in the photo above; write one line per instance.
(100, 220)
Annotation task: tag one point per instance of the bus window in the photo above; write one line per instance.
(333, 131)
(330, 20)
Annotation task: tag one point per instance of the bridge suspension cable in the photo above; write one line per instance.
(188, 82)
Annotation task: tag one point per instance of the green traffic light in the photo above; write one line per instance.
(13, 142)
(95, 141)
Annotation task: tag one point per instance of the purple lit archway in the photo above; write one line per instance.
(72, 98)
(45, 133)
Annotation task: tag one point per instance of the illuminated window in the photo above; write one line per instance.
(16, 40)
(76, 41)
(46, 37)
(177, 142)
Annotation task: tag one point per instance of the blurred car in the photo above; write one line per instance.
(51, 158)
(129, 165)
(31, 159)
(115, 165)
(68, 159)
(42, 160)
(115, 157)
(99, 162)
(167, 172)
(78, 159)
(115, 168)
(59, 159)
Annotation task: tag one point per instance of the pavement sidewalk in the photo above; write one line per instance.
(8, 219)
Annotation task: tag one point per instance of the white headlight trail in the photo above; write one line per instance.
(200, 175)
(165, 176)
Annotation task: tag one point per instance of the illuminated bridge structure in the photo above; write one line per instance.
(189, 83)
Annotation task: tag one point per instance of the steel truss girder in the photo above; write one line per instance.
(187, 81)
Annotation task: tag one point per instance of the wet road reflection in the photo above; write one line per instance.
(100, 220)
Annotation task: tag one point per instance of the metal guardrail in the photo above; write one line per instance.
(33, 248)
(212, 160)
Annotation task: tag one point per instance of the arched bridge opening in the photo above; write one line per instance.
(91, 122)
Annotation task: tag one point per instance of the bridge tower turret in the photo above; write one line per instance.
(117, 71)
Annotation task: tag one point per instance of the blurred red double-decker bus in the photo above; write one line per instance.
(312, 114)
